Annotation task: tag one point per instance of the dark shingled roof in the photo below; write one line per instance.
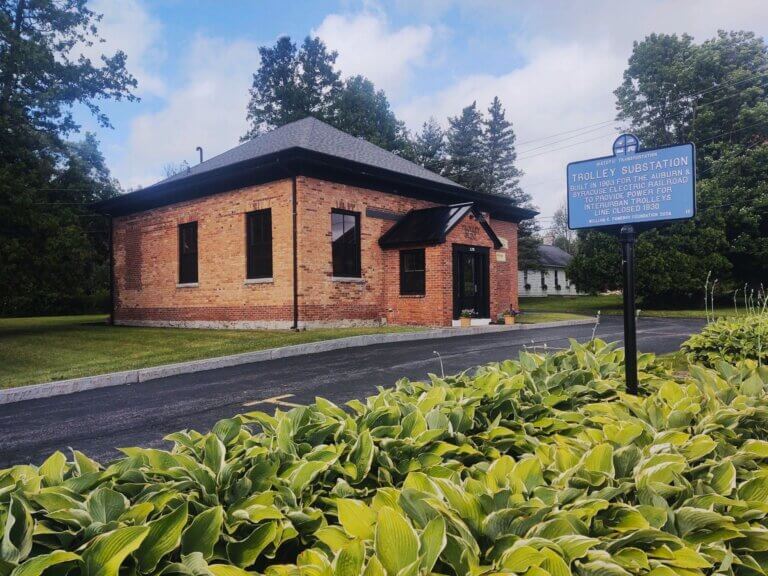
(431, 226)
(312, 134)
(310, 148)
(553, 257)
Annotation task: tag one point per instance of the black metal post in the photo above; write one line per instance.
(630, 329)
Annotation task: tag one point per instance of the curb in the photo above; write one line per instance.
(74, 385)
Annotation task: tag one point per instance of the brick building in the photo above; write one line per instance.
(307, 225)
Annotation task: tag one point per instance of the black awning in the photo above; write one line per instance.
(432, 226)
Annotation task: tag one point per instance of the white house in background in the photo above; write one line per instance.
(550, 280)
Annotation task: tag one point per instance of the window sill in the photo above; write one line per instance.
(259, 280)
(351, 279)
(413, 295)
(188, 285)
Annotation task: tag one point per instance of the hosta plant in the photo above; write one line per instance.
(730, 340)
(541, 466)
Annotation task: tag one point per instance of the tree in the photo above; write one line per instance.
(562, 236)
(51, 245)
(501, 175)
(291, 84)
(465, 150)
(675, 90)
(43, 71)
(596, 267)
(363, 111)
(171, 168)
(528, 246)
(429, 147)
(715, 95)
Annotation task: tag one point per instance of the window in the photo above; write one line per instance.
(412, 273)
(543, 280)
(345, 234)
(188, 253)
(258, 242)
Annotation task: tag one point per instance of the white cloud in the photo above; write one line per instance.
(208, 109)
(564, 86)
(129, 27)
(575, 57)
(367, 45)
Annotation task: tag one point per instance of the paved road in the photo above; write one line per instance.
(97, 421)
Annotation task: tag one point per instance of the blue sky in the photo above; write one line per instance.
(554, 64)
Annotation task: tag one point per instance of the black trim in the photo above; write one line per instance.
(424, 236)
(188, 262)
(382, 214)
(484, 281)
(420, 288)
(299, 161)
(264, 218)
(357, 269)
(295, 250)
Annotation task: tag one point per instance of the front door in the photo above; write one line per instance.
(470, 281)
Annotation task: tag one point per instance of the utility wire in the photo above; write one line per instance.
(761, 72)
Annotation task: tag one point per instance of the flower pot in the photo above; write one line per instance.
(465, 322)
(509, 320)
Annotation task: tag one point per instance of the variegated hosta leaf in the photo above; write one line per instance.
(540, 466)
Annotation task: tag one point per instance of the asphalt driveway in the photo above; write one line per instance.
(98, 421)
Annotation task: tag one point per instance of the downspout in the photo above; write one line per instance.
(295, 255)
(111, 271)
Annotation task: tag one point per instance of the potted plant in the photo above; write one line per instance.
(465, 318)
(509, 315)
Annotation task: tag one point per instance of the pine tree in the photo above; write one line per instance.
(501, 175)
(429, 147)
(465, 163)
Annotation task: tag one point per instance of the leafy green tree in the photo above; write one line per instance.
(596, 266)
(675, 90)
(528, 243)
(465, 149)
(714, 94)
(429, 147)
(562, 236)
(43, 72)
(733, 197)
(50, 249)
(291, 84)
(363, 111)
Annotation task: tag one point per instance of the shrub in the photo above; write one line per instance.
(540, 466)
(730, 340)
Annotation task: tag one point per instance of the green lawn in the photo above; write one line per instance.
(610, 304)
(42, 349)
(539, 317)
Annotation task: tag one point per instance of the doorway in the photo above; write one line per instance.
(471, 280)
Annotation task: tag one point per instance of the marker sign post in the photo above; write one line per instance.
(633, 188)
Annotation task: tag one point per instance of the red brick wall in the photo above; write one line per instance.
(436, 306)
(146, 262)
(321, 297)
(504, 269)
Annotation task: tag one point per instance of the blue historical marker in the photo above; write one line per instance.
(634, 186)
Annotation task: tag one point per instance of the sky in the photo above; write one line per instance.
(554, 64)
